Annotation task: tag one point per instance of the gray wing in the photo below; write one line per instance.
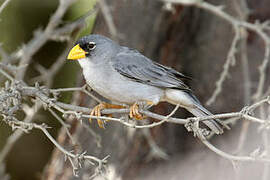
(137, 67)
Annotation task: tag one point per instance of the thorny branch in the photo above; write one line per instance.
(229, 62)
(41, 37)
(78, 158)
(44, 96)
(258, 28)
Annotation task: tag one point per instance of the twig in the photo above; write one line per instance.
(155, 150)
(229, 62)
(108, 18)
(43, 128)
(262, 69)
(97, 137)
(173, 111)
(70, 27)
(6, 75)
(232, 157)
(243, 13)
(82, 89)
(258, 104)
(2, 7)
(265, 137)
(30, 112)
(42, 37)
(258, 28)
(243, 136)
(64, 125)
(48, 74)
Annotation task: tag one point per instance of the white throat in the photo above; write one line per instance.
(84, 63)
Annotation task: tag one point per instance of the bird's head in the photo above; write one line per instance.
(93, 48)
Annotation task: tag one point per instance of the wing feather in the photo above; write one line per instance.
(137, 67)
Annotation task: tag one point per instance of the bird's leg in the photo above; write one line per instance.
(134, 110)
(97, 111)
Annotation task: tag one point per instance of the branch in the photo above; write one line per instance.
(40, 38)
(74, 158)
(4, 5)
(108, 18)
(257, 158)
(258, 28)
(229, 62)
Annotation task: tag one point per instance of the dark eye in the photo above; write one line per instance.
(91, 45)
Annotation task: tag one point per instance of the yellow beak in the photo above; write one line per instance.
(76, 53)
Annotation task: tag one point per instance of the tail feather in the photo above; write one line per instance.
(212, 124)
(189, 101)
(200, 111)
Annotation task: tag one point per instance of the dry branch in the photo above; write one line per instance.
(44, 96)
(237, 24)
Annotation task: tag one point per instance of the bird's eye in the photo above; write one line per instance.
(91, 45)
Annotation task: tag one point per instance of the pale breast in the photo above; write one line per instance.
(113, 86)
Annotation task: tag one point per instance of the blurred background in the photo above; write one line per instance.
(190, 40)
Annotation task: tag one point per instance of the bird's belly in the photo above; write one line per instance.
(118, 88)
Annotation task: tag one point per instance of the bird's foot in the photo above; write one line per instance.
(97, 112)
(134, 110)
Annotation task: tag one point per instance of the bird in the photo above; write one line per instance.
(125, 76)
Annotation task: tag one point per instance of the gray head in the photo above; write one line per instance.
(93, 48)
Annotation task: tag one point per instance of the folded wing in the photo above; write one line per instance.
(135, 66)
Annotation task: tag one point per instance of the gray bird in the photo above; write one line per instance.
(125, 76)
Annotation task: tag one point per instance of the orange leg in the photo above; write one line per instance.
(97, 111)
(134, 111)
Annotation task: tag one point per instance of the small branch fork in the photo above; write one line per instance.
(73, 158)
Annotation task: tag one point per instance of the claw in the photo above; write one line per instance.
(97, 112)
(131, 112)
(134, 112)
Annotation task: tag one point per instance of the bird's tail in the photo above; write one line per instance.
(213, 124)
(192, 104)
